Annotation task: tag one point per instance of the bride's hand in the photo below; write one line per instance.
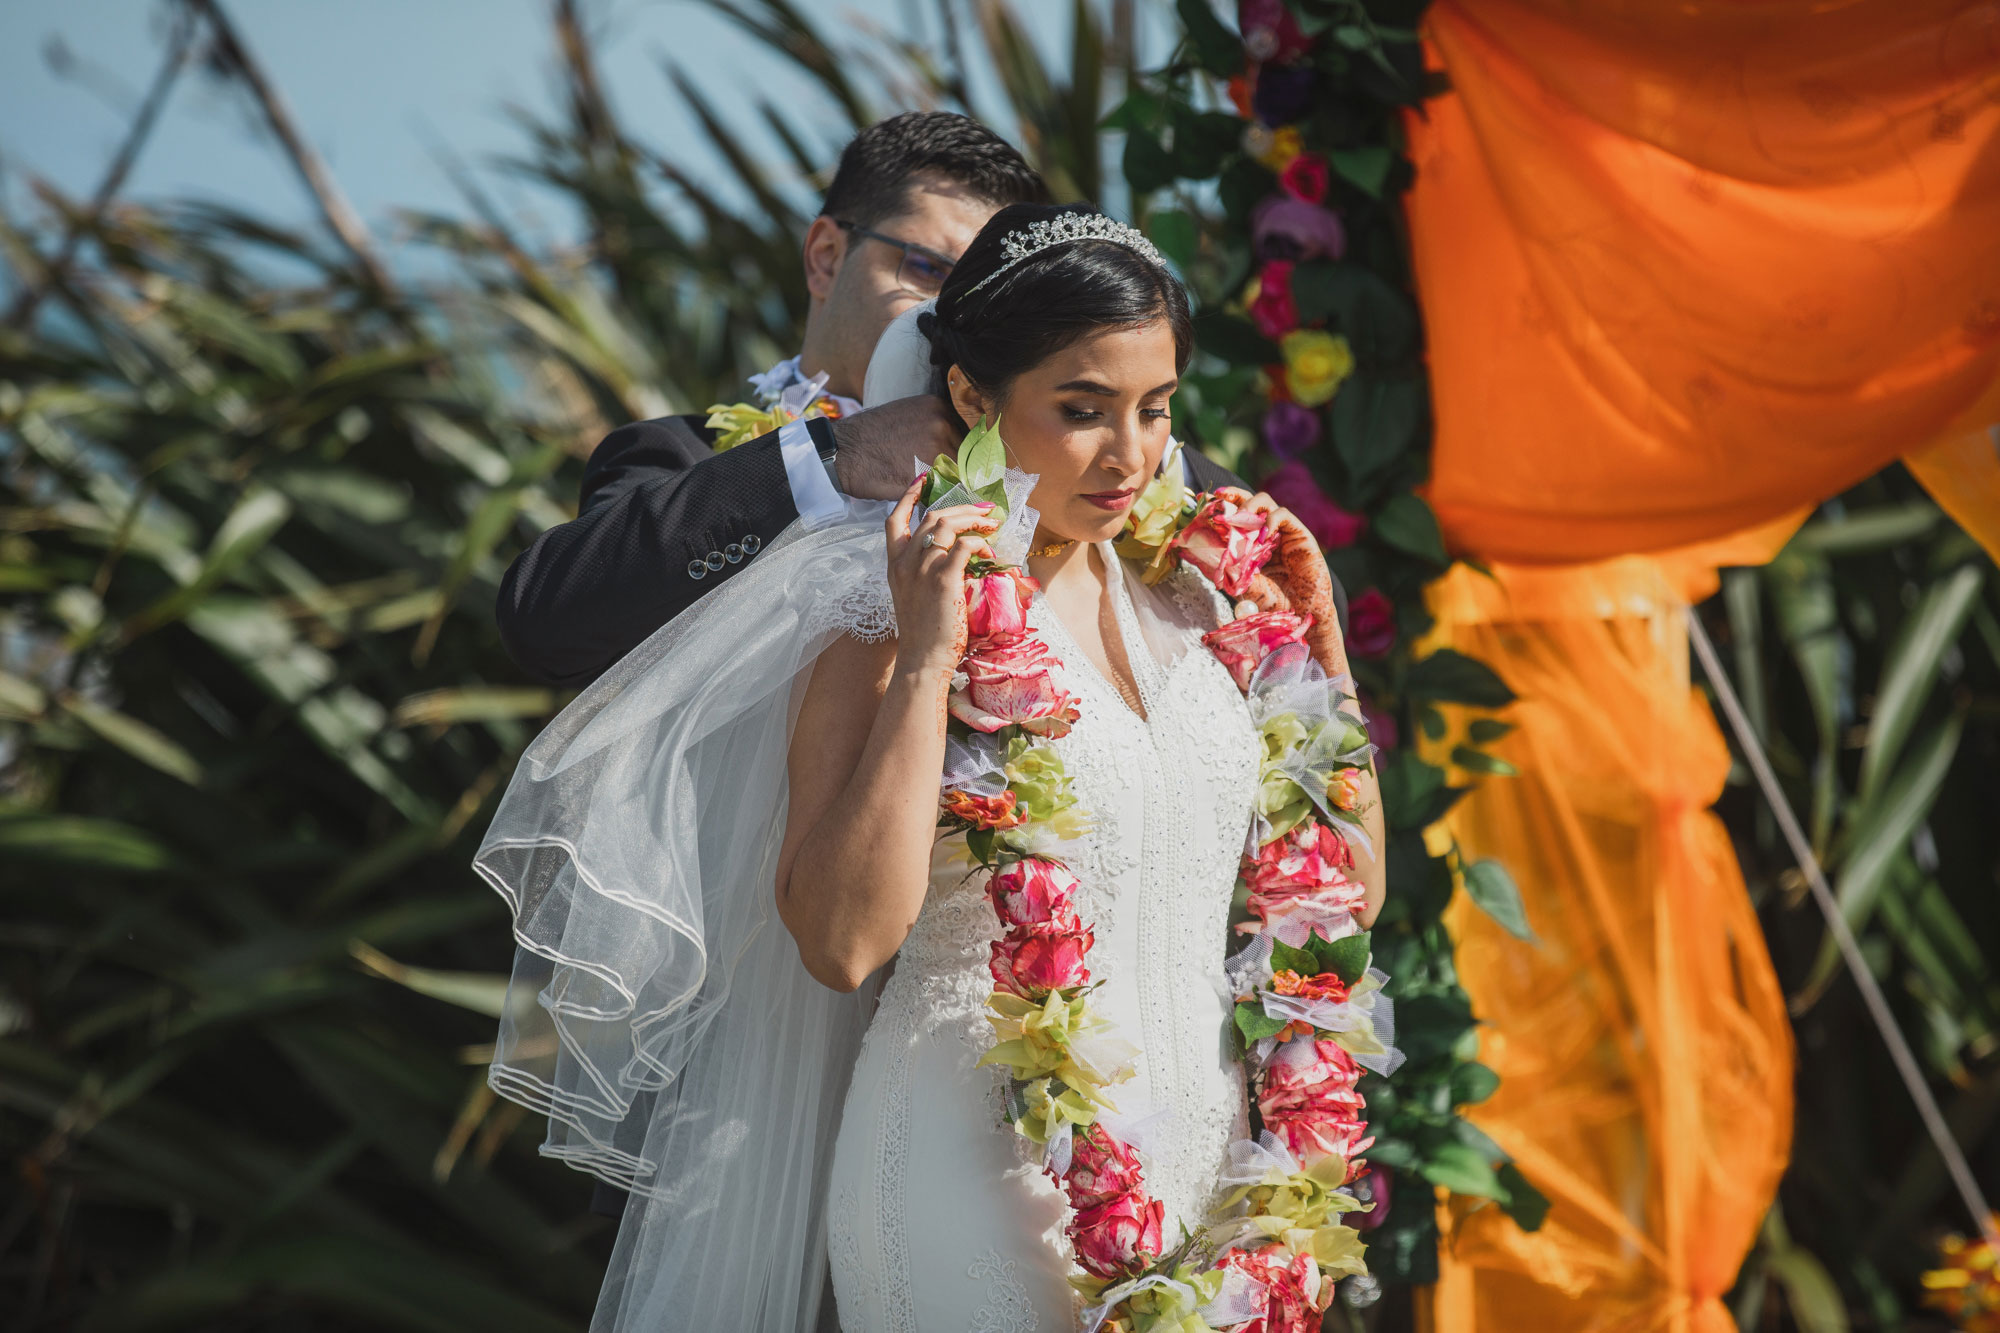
(927, 579)
(1296, 578)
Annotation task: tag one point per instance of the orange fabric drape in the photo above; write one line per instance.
(1687, 268)
(1641, 1040)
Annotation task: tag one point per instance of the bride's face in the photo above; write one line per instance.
(1091, 421)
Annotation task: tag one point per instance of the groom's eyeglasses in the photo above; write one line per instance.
(923, 269)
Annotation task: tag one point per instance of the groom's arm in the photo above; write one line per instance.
(657, 504)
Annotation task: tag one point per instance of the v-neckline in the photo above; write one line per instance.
(1125, 617)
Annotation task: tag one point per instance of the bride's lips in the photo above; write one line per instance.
(1113, 500)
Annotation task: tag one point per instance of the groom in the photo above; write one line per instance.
(664, 518)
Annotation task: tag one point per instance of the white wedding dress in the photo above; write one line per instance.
(939, 1216)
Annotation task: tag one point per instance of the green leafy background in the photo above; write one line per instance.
(256, 493)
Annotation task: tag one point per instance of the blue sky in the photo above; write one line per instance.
(378, 85)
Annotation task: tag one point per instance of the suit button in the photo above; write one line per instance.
(697, 569)
(733, 553)
(714, 562)
(752, 543)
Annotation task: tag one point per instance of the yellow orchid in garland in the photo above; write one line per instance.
(1044, 1106)
(1161, 510)
(740, 423)
(1307, 1199)
(1058, 1038)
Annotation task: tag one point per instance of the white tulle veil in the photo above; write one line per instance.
(659, 1014)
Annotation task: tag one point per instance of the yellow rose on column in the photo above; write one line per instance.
(1315, 363)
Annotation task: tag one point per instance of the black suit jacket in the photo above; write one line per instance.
(657, 500)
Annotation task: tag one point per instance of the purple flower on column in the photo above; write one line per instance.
(1294, 487)
(1290, 430)
(1282, 227)
(1283, 94)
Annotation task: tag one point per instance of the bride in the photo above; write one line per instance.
(716, 853)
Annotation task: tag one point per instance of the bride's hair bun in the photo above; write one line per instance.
(937, 335)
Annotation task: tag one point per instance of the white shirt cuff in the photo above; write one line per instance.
(813, 492)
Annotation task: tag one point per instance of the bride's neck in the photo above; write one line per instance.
(1075, 564)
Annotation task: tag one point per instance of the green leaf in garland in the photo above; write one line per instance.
(982, 458)
(1284, 958)
(1254, 1023)
(1408, 524)
(1346, 958)
(1449, 676)
(1216, 49)
(1524, 1203)
(1366, 169)
(1489, 885)
(980, 842)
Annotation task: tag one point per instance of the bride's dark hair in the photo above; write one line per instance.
(1044, 303)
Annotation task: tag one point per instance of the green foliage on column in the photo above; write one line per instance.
(1267, 162)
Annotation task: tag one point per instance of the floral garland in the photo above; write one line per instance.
(783, 396)
(1308, 1004)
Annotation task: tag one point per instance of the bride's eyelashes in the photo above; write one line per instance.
(1083, 414)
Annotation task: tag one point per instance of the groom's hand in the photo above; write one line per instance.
(876, 447)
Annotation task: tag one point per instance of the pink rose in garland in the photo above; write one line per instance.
(1371, 625)
(1298, 884)
(1274, 312)
(1032, 960)
(1243, 644)
(1012, 684)
(1307, 1097)
(1101, 1168)
(1031, 891)
(1227, 542)
(1294, 1294)
(996, 607)
(1119, 1237)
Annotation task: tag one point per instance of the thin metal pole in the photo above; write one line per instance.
(1905, 1059)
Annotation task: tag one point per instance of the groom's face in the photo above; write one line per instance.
(871, 280)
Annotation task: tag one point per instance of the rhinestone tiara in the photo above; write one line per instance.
(1036, 237)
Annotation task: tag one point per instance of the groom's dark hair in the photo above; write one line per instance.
(873, 179)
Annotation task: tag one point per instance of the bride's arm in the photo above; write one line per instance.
(1297, 579)
(865, 757)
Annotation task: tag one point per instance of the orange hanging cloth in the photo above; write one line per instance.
(1686, 270)
(1688, 267)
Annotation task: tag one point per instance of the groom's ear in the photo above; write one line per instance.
(825, 248)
